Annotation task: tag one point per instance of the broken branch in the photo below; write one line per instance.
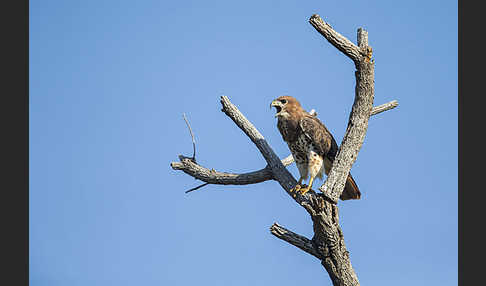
(295, 239)
(384, 107)
(336, 39)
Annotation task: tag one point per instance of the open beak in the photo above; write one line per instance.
(278, 106)
(272, 104)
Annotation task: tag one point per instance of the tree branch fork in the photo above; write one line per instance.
(328, 243)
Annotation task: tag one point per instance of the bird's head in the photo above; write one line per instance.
(285, 106)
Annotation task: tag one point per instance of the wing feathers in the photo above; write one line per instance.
(327, 147)
(320, 137)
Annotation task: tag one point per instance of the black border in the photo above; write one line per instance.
(470, 145)
(14, 119)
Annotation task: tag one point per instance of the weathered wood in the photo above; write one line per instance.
(188, 166)
(220, 178)
(329, 242)
(336, 39)
(358, 119)
(384, 107)
(295, 239)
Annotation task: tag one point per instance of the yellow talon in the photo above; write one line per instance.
(296, 188)
(304, 190)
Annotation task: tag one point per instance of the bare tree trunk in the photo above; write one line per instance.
(327, 244)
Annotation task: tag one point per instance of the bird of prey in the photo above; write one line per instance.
(311, 144)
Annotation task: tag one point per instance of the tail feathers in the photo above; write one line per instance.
(351, 190)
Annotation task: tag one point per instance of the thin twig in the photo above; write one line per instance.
(192, 135)
(200, 186)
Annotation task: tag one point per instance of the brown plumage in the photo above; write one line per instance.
(310, 143)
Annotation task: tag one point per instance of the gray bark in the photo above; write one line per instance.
(211, 176)
(327, 244)
(362, 106)
(295, 239)
(384, 107)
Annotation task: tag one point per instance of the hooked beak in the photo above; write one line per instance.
(278, 106)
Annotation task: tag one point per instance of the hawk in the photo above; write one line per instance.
(311, 144)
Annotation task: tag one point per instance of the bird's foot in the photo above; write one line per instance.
(302, 191)
(296, 188)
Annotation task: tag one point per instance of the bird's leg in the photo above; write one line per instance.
(306, 189)
(297, 186)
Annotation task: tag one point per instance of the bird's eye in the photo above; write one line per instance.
(284, 101)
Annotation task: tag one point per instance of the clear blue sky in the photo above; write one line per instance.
(110, 80)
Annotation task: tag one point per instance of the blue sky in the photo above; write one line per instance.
(110, 80)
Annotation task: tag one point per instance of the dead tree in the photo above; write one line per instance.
(327, 244)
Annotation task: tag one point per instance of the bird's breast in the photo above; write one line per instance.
(300, 148)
